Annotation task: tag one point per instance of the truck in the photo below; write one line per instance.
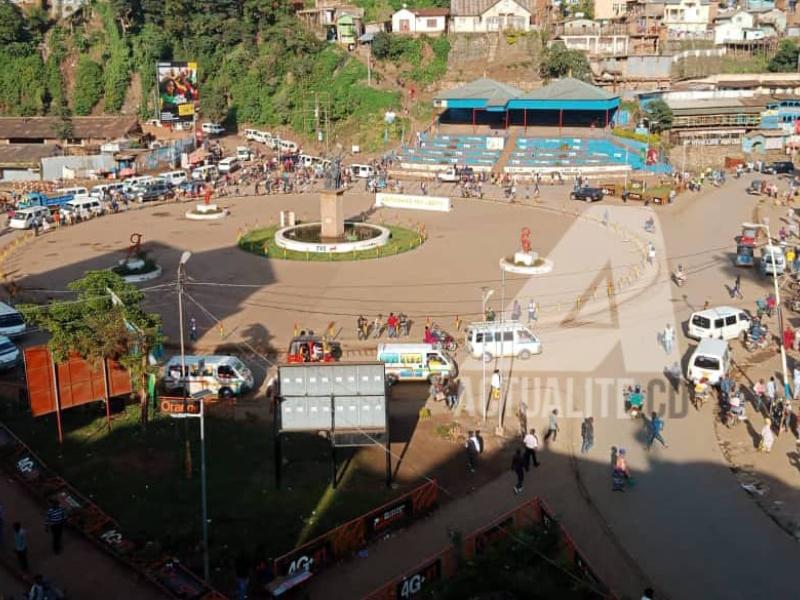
(51, 202)
(453, 174)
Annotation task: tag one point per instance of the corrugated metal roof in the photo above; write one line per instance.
(464, 8)
(431, 12)
(107, 128)
(569, 89)
(26, 154)
(494, 92)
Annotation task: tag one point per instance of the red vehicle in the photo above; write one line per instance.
(312, 348)
(748, 236)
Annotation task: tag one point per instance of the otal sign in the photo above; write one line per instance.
(438, 203)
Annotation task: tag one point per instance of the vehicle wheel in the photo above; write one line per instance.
(225, 393)
(487, 357)
(336, 352)
(524, 355)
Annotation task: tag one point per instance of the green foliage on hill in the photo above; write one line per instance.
(256, 63)
(426, 57)
(88, 86)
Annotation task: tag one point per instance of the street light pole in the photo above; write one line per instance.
(486, 293)
(203, 491)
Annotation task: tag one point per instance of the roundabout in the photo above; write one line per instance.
(206, 212)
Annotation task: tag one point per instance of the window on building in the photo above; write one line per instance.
(430, 24)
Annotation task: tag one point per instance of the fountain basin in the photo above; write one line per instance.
(307, 237)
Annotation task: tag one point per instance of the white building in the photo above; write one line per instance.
(595, 44)
(732, 27)
(480, 16)
(413, 21)
(687, 16)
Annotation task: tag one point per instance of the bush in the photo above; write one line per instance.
(88, 86)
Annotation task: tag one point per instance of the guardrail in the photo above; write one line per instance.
(344, 541)
(88, 519)
(445, 563)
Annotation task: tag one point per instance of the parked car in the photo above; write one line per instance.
(587, 194)
(154, 190)
(213, 128)
(780, 166)
(9, 353)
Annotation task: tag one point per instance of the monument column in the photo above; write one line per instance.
(331, 214)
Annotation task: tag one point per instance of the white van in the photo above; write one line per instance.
(25, 217)
(174, 178)
(208, 171)
(132, 182)
(75, 191)
(82, 206)
(228, 165)
(226, 376)
(363, 171)
(11, 322)
(251, 135)
(264, 137)
(722, 322)
(100, 191)
(491, 339)
(415, 362)
(287, 146)
(212, 128)
(767, 252)
(244, 153)
(710, 360)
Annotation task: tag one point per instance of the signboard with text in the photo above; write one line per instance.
(435, 203)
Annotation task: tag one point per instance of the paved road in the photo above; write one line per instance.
(82, 570)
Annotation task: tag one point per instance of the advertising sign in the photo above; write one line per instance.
(437, 203)
(177, 91)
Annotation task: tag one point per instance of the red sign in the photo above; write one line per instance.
(79, 381)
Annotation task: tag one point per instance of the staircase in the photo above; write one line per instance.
(511, 143)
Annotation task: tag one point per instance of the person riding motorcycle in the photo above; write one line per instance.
(650, 224)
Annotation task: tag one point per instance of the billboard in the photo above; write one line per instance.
(308, 391)
(177, 91)
(79, 381)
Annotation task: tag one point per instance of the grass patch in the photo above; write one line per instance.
(140, 479)
(262, 242)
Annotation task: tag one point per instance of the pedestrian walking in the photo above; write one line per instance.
(37, 590)
(736, 291)
(656, 426)
(651, 253)
(21, 545)
(767, 437)
(377, 326)
(474, 448)
(531, 443)
(516, 311)
(587, 434)
(192, 329)
(552, 427)
(496, 384)
(54, 523)
(392, 323)
(772, 390)
(668, 338)
(518, 466)
(797, 382)
(531, 311)
(619, 472)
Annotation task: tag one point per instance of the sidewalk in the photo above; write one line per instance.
(81, 570)
(554, 481)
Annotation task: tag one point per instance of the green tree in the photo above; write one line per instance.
(95, 327)
(382, 45)
(559, 61)
(785, 59)
(13, 28)
(88, 86)
(658, 114)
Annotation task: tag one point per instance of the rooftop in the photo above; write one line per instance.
(494, 92)
(715, 106)
(478, 7)
(25, 155)
(569, 89)
(105, 128)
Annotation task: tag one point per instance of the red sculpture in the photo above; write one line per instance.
(525, 239)
(136, 246)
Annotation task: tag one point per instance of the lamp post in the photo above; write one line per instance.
(486, 293)
(787, 392)
(203, 492)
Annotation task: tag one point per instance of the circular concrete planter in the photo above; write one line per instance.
(330, 248)
(540, 267)
(206, 212)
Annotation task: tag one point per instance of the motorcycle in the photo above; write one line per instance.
(634, 401)
(679, 277)
(443, 340)
(753, 344)
(700, 393)
(650, 226)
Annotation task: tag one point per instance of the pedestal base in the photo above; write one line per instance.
(525, 258)
(331, 211)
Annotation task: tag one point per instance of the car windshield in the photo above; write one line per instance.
(11, 320)
(7, 347)
(706, 362)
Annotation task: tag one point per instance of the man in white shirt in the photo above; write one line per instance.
(531, 443)
(496, 383)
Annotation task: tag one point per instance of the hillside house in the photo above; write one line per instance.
(481, 16)
(416, 21)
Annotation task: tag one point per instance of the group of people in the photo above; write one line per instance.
(396, 325)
